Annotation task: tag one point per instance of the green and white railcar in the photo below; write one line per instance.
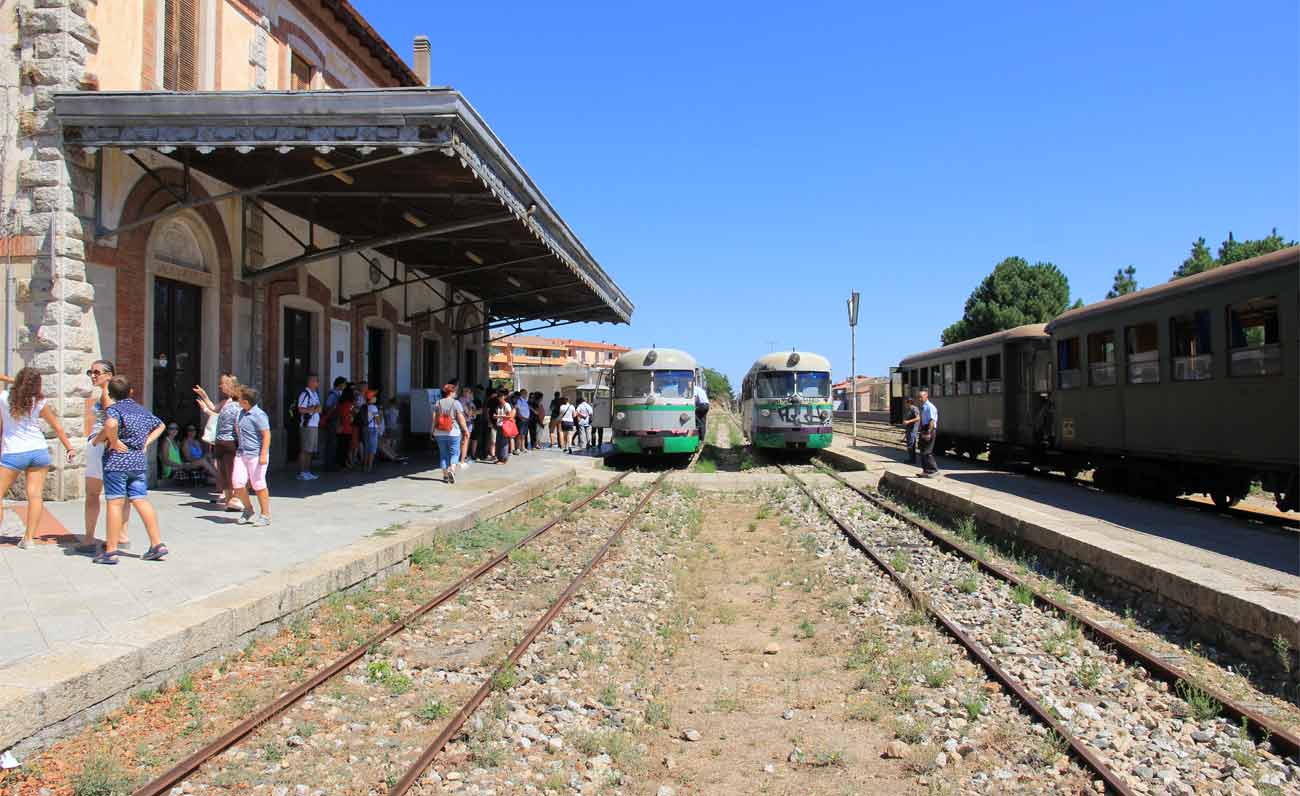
(785, 401)
(654, 402)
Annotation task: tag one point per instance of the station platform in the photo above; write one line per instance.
(1239, 580)
(76, 638)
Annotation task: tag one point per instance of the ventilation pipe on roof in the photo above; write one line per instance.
(422, 59)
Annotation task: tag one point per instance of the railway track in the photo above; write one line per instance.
(888, 435)
(192, 764)
(1087, 685)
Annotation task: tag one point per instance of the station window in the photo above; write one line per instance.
(1142, 350)
(300, 73)
(1189, 342)
(1101, 359)
(962, 387)
(1255, 348)
(949, 379)
(993, 373)
(1068, 374)
(977, 376)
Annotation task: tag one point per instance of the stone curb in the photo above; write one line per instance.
(52, 695)
(1245, 611)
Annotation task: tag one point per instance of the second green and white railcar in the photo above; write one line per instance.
(785, 401)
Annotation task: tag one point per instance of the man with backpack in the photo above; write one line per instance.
(309, 410)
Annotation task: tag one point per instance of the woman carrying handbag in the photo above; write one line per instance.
(506, 429)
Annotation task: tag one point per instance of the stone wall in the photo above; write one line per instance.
(52, 209)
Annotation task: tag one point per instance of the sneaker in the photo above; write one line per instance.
(155, 553)
(247, 517)
(25, 544)
(451, 477)
(312, 476)
(105, 558)
(261, 521)
(465, 464)
(304, 476)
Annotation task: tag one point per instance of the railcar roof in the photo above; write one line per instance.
(1278, 260)
(664, 359)
(780, 360)
(965, 346)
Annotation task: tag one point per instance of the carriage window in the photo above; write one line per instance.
(775, 385)
(673, 383)
(962, 386)
(994, 375)
(949, 381)
(1189, 341)
(1068, 375)
(1101, 359)
(936, 380)
(1255, 348)
(1142, 350)
(977, 376)
(814, 385)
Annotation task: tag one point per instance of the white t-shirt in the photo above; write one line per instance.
(449, 407)
(584, 413)
(22, 434)
(566, 413)
(306, 400)
(374, 418)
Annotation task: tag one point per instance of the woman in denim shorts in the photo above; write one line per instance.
(23, 448)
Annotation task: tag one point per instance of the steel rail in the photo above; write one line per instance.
(918, 598)
(1283, 739)
(431, 752)
(181, 770)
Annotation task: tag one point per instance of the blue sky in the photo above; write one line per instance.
(739, 168)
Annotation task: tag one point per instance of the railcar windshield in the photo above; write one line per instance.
(674, 383)
(664, 383)
(783, 384)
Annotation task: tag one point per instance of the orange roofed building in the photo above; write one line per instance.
(507, 352)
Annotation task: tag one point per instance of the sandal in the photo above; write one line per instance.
(105, 557)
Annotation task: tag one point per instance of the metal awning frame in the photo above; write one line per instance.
(412, 121)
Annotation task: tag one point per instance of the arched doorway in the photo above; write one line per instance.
(182, 292)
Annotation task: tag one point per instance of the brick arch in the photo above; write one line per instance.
(146, 198)
(465, 315)
(284, 28)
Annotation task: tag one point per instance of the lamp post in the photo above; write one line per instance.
(853, 364)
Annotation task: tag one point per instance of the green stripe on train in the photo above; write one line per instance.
(777, 440)
(676, 444)
(783, 405)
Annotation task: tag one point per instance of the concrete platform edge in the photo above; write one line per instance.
(1219, 608)
(49, 696)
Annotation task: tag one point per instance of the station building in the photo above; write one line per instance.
(263, 187)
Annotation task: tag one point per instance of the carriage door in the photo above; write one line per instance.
(296, 364)
(177, 341)
(1018, 382)
(895, 395)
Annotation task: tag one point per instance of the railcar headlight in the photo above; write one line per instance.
(684, 417)
(621, 416)
(767, 413)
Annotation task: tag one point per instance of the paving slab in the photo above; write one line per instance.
(77, 638)
(1225, 571)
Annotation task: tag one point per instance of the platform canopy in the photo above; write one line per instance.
(411, 173)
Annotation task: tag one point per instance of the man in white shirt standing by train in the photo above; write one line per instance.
(701, 405)
(929, 432)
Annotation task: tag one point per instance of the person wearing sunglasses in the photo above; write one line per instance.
(101, 372)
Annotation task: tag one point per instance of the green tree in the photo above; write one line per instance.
(717, 385)
(1125, 282)
(1230, 251)
(1015, 293)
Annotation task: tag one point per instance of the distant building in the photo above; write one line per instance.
(872, 391)
(515, 350)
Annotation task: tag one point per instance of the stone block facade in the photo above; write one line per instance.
(48, 217)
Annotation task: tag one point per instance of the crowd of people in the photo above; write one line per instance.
(348, 428)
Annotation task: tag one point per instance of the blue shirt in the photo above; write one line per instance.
(134, 424)
(929, 414)
(250, 427)
(524, 410)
